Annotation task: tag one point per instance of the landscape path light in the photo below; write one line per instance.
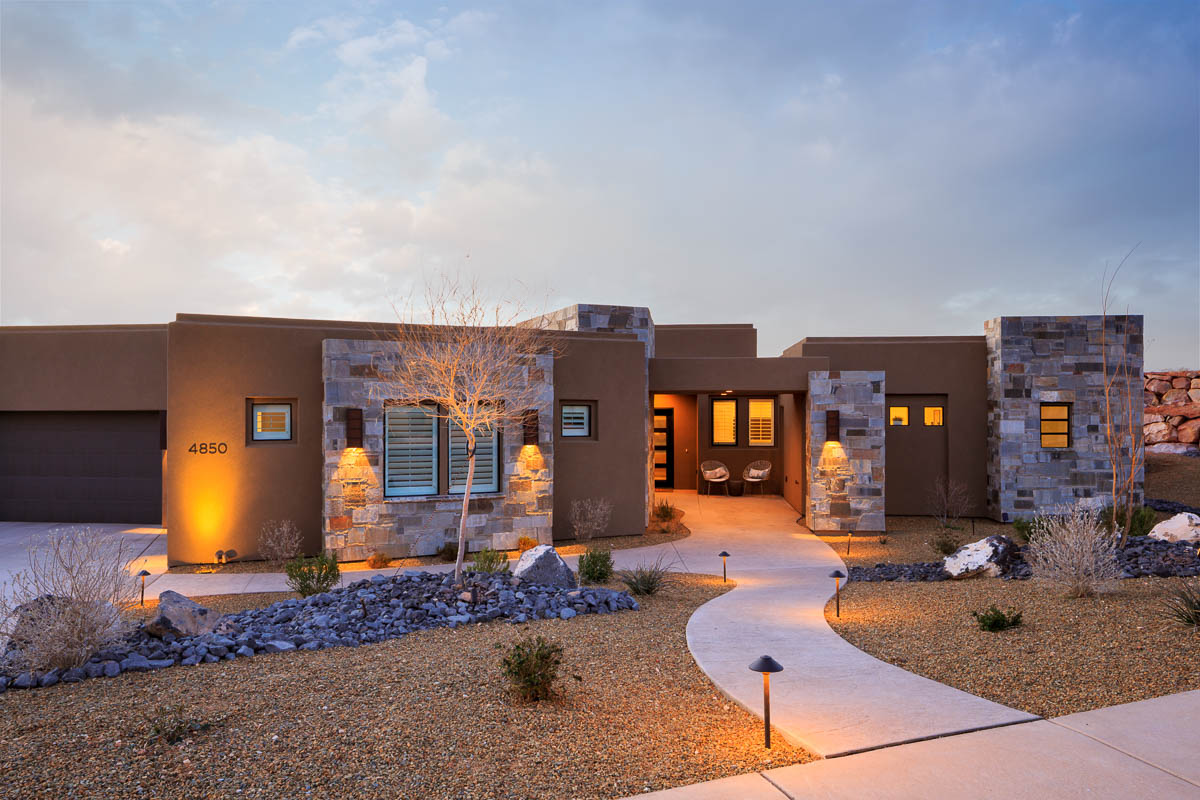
(766, 665)
(837, 576)
(143, 575)
(724, 573)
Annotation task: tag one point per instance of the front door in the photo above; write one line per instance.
(915, 453)
(664, 448)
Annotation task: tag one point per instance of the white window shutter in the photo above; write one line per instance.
(410, 466)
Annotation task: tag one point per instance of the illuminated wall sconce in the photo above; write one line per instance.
(143, 575)
(724, 575)
(837, 576)
(354, 427)
(766, 665)
(833, 426)
(529, 421)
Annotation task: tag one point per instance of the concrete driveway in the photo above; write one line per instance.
(147, 545)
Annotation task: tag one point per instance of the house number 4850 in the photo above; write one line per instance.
(208, 448)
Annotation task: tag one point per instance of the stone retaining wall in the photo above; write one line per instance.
(1172, 413)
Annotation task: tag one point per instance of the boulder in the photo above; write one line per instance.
(1158, 386)
(1179, 528)
(1173, 449)
(1189, 431)
(180, 616)
(1174, 396)
(543, 566)
(1158, 432)
(991, 556)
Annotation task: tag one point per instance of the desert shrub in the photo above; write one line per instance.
(170, 724)
(1139, 524)
(66, 604)
(489, 560)
(590, 516)
(664, 512)
(531, 666)
(526, 543)
(1071, 548)
(308, 576)
(1183, 604)
(448, 551)
(645, 578)
(994, 619)
(279, 540)
(948, 499)
(883, 538)
(378, 560)
(596, 565)
(1023, 528)
(945, 541)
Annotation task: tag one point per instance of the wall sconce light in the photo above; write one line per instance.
(837, 576)
(724, 574)
(766, 665)
(833, 426)
(143, 575)
(354, 427)
(529, 421)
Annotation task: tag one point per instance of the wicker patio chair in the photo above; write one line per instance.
(715, 472)
(757, 472)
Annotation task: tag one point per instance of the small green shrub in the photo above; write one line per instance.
(883, 538)
(1139, 524)
(946, 541)
(663, 511)
(448, 551)
(489, 560)
(645, 579)
(308, 576)
(531, 666)
(1183, 605)
(596, 565)
(993, 619)
(1023, 528)
(170, 724)
(378, 560)
(526, 543)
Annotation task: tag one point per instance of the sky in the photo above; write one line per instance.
(818, 169)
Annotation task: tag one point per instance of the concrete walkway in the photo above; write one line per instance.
(1145, 749)
(146, 544)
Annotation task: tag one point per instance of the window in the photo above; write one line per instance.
(762, 423)
(270, 422)
(724, 422)
(487, 462)
(898, 415)
(1056, 425)
(575, 420)
(410, 463)
(935, 416)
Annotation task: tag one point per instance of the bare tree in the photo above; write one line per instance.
(590, 516)
(469, 362)
(949, 501)
(1121, 402)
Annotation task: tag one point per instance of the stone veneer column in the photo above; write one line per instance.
(1035, 360)
(846, 480)
(358, 520)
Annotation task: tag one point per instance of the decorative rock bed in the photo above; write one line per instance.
(364, 612)
(1142, 557)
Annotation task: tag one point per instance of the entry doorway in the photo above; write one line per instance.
(916, 451)
(664, 448)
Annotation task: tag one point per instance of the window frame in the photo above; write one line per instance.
(750, 442)
(590, 406)
(712, 421)
(907, 416)
(252, 403)
(493, 484)
(1042, 420)
(941, 423)
(416, 491)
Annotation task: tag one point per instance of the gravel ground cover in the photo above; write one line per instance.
(656, 533)
(1170, 477)
(907, 541)
(423, 716)
(1068, 655)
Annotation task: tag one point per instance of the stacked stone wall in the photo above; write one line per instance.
(1035, 360)
(359, 520)
(846, 478)
(1172, 414)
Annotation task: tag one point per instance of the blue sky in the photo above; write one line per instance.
(815, 168)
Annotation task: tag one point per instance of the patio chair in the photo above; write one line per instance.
(757, 472)
(715, 472)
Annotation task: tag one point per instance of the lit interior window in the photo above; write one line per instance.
(272, 421)
(1056, 425)
(898, 415)
(724, 422)
(934, 415)
(762, 423)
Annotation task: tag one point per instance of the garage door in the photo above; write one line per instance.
(81, 466)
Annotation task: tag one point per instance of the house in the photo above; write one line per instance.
(216, 424)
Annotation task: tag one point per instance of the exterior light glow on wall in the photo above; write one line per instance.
(837, 576)
(529, 421)
(766, 665)
(354, 427)
(833, 426)
(724, 576)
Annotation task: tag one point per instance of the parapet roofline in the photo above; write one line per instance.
(356, 325)
(98, 328)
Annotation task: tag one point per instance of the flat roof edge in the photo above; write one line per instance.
(99, 328)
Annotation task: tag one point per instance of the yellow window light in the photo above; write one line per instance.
(934, 416)
(898, 415)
